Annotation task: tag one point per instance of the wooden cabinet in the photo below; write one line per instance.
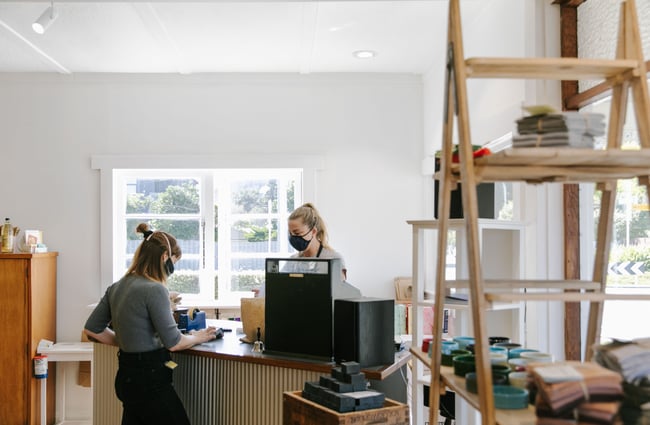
(27, 315)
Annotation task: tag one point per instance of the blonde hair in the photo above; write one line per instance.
(147, 259)
(310, 216)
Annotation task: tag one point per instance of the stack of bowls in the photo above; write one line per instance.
(537, 357)
(516, 352)
(498, 339)
(447, 359)
(464, 341)
(464, 365)
(449, 346)
(508, 346)
(518, 364)
(518, 379)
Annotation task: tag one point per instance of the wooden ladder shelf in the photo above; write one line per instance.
(625, 73)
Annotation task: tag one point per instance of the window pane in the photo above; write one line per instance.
(162, 196)
(248, 208)
(184, 283)
(254, 196)
(291, 199)
(246, 264)
(246, 281)
(629, 261)
(253, 236)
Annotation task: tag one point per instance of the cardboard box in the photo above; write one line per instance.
(298, 411)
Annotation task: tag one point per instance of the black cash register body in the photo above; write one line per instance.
(300, 314)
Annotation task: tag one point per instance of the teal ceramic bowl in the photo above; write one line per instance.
(464, 365)
(507, 397)
(495, 349)
(448, 359)
(516, 352)
(508, 346)
(449, 346)
(464, 341)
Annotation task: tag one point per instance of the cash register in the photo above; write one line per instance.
(311, 312)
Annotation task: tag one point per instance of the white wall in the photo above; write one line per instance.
(367, 127)
(598, 30)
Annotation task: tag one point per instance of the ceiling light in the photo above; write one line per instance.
(45, 20)
(364, 54)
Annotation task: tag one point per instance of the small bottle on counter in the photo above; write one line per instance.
(7, 237)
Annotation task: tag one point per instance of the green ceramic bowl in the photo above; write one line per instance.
(500, 374)
(448, 359)
(464, 365)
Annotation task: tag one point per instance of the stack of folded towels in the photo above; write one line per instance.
(574, 393)
(632, 360)
(572, 129)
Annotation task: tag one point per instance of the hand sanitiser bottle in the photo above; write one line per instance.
(7, 237)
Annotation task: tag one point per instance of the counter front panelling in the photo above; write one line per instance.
(222, 382)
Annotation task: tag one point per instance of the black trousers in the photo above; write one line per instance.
(144, 386)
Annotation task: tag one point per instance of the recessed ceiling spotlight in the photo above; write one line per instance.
(364, 54)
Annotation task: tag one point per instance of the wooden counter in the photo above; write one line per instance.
(223, 382)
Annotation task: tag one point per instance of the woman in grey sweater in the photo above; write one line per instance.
(135, 315)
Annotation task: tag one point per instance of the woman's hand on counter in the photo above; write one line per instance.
(195, 337)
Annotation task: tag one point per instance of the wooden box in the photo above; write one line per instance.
(297, 410)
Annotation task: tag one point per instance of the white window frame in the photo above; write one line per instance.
(111, 270)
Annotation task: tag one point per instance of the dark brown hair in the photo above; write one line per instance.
(148, 257)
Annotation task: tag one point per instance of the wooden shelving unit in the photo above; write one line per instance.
(626, 73)
(506, 265)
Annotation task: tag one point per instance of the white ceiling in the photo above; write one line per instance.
(222, 36)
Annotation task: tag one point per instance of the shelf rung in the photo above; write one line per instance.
(551, 68)
(531, 284)
(565, 296)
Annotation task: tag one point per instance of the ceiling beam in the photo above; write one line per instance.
(44, 56)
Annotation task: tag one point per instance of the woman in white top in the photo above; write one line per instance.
(308, 235)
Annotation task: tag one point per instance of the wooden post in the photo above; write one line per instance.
(571, 198)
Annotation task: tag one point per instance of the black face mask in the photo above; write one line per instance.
(298, 242)
(169, 266)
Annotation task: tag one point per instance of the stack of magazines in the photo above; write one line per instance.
(572, 129)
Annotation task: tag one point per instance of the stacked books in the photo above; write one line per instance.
(572, 129)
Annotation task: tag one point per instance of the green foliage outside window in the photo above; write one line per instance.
(185, 284)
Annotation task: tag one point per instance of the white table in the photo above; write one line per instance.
(66, 352)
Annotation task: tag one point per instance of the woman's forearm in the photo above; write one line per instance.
(107, 336)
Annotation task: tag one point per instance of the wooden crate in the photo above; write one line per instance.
(297, 410)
